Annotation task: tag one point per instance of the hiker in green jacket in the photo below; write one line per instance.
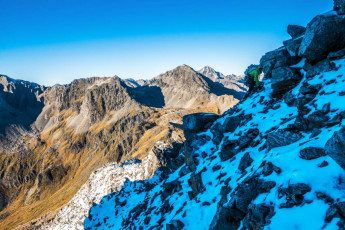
(252, 78)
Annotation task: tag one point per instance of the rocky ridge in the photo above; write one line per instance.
(277, 154)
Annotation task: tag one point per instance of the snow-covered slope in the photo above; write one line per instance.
(275, 161)
(230, 183)
(105, 180)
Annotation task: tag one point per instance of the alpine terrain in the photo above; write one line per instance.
(274, 161)
(187, 149)
(52, 139)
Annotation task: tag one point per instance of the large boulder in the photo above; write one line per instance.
(324, 34)
(284, 79)
(295, 31)
(311, 153)
(275, 59)
(339, 6)
(335, 147)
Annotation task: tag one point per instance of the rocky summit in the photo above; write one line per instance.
(185, 150)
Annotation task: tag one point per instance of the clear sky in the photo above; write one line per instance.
(56, 41)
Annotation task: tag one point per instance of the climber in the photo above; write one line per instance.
(252, 78)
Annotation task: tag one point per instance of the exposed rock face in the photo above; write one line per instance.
(293, 45)
(320, 35)
(275, 59)
(20, 104)
(284, 79)
(229, 81)
(185, 88)
(335, 147)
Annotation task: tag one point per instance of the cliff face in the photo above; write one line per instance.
(274, 161)
(77, 128)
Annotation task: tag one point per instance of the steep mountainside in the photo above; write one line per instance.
(74, 129)
(20, 104)
(185, 88)
(275, 161)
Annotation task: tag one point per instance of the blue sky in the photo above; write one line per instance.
(57, 41)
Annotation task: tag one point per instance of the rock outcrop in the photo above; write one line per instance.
(320, 36)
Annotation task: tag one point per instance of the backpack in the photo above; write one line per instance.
(250, 69)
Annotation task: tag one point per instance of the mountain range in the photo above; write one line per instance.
(53, 138)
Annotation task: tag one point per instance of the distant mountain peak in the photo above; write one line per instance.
(211, 73)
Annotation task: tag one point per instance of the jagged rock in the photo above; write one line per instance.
(292, 46)
(231, 123)
(323, 164)
(308, 89)
(335, 147)
(281, 138)
(326, 108)
(175, 225)
(294, 194)
(339, 6)
(331, 213)
(317, 120)
(323, 196)
(315, 133)
(325, 33)
(245, 162)
(284, 79)
(228, 150)
(269, 168)
(195, 182)
(245, 140)
(341, 208)
(311, 153)
(275, 59)
(170, 188)
(258, 216)
(318, 68)
(194, 123)
(229, 216)
(295, 30)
